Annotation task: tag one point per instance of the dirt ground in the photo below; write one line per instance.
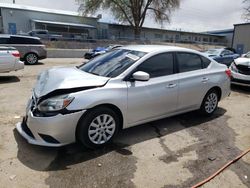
(174, 152)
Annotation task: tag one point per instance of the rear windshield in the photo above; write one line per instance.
(112, 63)
(23, 40)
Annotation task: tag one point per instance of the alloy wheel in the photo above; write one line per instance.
(101, 129)
(211, 102)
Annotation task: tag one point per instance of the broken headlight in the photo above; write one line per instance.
(55, 103)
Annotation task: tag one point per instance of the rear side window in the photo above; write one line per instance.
(158, 65)
(4, 40)
(23, 40)
(206, 61)
(188, 62)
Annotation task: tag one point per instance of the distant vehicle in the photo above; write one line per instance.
(31, 48)
(123, 88)
(222, 55)
(10, 59)
(100, 50)
(241, 70)
(44, 34)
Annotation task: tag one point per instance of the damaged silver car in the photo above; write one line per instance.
(120, 89)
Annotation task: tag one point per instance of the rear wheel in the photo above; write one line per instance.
(31, 59)
(210, 103)
(98, 127)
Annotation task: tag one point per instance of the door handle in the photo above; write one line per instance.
(171, 85)
(204, 80)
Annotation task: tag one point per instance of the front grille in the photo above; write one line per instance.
(243, 69)
(26, 129)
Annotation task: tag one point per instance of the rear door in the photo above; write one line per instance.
(157, 96)
(192, 80)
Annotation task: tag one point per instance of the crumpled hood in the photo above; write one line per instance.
(242, 61)
(64, 78)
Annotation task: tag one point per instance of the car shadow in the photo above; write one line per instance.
(8, 79)
(52, 159)
(240, 89)
(37, 64)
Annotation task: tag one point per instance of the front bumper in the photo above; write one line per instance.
(52, 131)
(240, 79)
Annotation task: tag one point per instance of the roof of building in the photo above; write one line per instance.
(39, 9)
(170, 30)
(223, 31)
(64, 23)
(248, 23)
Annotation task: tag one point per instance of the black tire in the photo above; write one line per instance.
(209, 103)
(84, 126)
(31, 59)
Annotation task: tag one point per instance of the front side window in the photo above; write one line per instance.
(158, 65)
(188, 62)
(112, 63)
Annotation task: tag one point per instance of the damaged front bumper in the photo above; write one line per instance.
(52, 131)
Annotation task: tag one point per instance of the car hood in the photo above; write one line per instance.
(242, 61)
(66, 79)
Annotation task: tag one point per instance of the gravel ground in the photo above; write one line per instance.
(173, 152)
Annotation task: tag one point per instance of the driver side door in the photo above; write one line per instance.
(157, 97)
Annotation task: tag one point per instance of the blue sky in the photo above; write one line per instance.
(193, 15)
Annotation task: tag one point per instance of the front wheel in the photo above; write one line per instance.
(98, 127)
(210, 103)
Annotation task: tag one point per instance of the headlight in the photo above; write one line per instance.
(55, 103)
(233, 67)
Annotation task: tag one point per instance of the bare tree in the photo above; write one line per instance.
(246, 14)
(133, 12)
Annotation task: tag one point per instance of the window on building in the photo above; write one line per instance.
(158, 36)
(158, 65)
(188, 62)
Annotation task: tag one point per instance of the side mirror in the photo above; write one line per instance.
(141, 76)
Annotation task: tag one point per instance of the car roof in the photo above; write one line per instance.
(21, 36)
(153, 48)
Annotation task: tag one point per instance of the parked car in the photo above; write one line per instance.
(31, 48)
(120, 89)
(10, 60)
(223, 56)
(99, 50)
(44, 34)
(241, 71)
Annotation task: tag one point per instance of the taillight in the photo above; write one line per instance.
(16, 54)
(228, 73)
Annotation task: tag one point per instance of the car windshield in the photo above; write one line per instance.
(112, 63)
(213, 52)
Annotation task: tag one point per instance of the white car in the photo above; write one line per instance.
(240, 69)
(10, 60)
(122, 88)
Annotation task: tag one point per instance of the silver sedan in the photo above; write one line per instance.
(126, 87)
